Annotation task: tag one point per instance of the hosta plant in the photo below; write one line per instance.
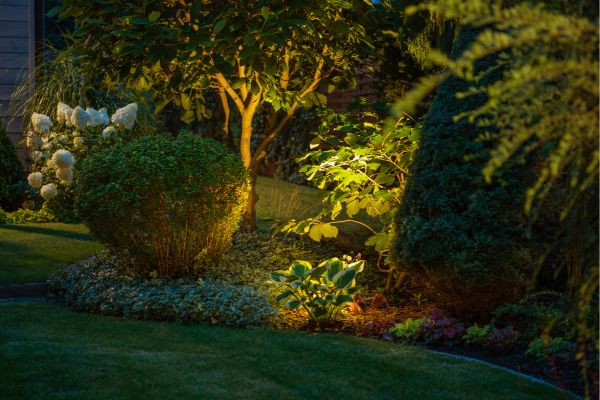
(322, 291)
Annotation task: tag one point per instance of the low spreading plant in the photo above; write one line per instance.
(474, 335)
(441, 327)
(545, 347)
(25, 216)
(163, 204)
(322, 291)
(98, 285)
(409, 330)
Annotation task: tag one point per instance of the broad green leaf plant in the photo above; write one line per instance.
(322, 291)
(365, 165)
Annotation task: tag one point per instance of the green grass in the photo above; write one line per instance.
(51, 352)
(29, 252)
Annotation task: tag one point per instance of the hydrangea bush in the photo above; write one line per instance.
(77, 133)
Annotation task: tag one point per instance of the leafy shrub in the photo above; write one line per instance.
(475, 335)
(440, 327)
(3, 216)
(12, 175)
(24, 216)
(366, 170)
(545, 347)
(466, 237)
(98, 286)
(410, 329)
(163, 203)
(535, 315)
(322, 291)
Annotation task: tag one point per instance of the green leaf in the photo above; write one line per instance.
(219, 25)
(299, 268)
(283, 296)
(153, 16)
(329, 231)
(344, 278)
(353, 208)
(292, 304)
(315, 233)
(343, 298)
(279, 277)
(339, 27)
(265, 11)
(53, 11)
(188, 116)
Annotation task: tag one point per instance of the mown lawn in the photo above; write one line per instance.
(51, 352)
(29, 252)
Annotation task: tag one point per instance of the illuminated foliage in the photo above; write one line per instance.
(254, 54)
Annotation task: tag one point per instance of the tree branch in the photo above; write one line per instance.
(230, 91)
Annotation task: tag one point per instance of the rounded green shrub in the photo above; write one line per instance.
(12, 175)
(163, 203)
(466, 238)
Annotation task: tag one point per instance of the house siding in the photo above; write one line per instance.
(17, 59)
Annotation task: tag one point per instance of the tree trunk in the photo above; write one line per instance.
(249, 216)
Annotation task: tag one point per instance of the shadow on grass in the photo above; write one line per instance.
(50, 232)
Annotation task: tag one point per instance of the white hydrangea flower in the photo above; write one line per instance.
(65, 175)
(33, 141)
(48, 191)
(35, 179)
(46, 144)
(126, 116)
(95, 119)
(80, 118)
(41, 122)
(63, 159)
(104, 119)
(63, 113)
(108, 132)
(78, 141)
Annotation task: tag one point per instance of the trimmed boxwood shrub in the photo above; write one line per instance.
(163, 203)
(12, 176)
(99, 286)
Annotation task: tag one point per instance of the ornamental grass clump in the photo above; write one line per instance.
(163, 204)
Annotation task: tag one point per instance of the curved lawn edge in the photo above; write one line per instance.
(48, 351)
(522, 375)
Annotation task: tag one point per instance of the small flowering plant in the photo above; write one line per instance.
(78, 132)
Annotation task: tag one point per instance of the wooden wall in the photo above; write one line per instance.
(17, 59)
